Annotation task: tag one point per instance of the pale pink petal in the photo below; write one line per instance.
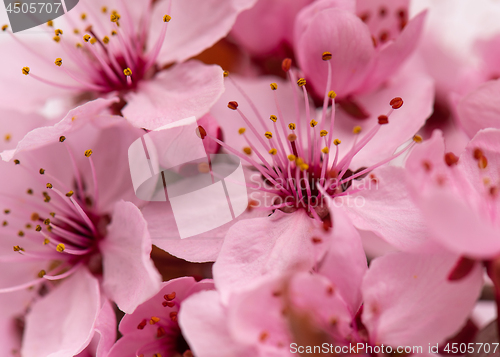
(185, 90)
(342, 34)
(10, 336)
(417, 91)
(344, 263)
(204, 324)
(267, 246)
(391, 57)
(408, 300)
(91, 112)
(62, 323)
(106, 327)
(129, 276)
(195, 26)
(275, 18)
(384, 18)
(480, 108)
(129, 344)
(385, 207)
(14, 125)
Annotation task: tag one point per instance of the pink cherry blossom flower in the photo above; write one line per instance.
(152, 330)
(117, 49)
(366, 50)
(75, 240)
(403, 299)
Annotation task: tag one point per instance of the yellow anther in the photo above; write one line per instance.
(56, 38)
(42, 273)
(247, 150)
(28, 226)
(241, 131)
(157, 355)
(58, 32)
(417, 139)
(78, 45)
(60, 247)
(5, 223)
(225, 73)
(29, 191)
(88, 153)
(114, 33)
(38, 228)
(53, 214)
(17, 162)
(5, 27)
(18, 249)
(273, 151)
(301, 82)
(323, 133)
(58, 62)
(356, 129)
(300, 161)
(114, 18)
(105, 40)
(274, 86)
(154, 320)
(69, 194)
(46, 221)
(7, 137)
(336, 142)
(304, 167)
(167, 18)
(20, 234)
(104, 9)
(273, 118)
(127, 72)
(76, 31)
(49, 185)
(292, 157)
(325, 150)
(268, 134)
(26, 70)
(6, 211)
(49, 229)
(292, 126)
(83, 16)
(332, 94)
(313, 123)
(62, 138)
(46, 241)
(50, 23)
(326, 56)
(86, 37)
(93, 40)
(42, 171)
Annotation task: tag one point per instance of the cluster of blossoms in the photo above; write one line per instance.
(368, 149)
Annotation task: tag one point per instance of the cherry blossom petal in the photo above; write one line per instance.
(185, 90)
(342, 34)
(385, 207)
(130, 276)
(195, 26)
(480, 108)
(54, 327)
(74, 120)
(106, 329)
(267, 246)
(14, 125)
(408, 300)
(204, 325)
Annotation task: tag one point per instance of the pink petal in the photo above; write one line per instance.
(194, 26)
(417, 91)
(129, 276)
(185, 90)
(480, 108)
(204, 324)
(408, 300)
(15, 125)
(62, 323)
(10, 336)
(92, 111)
(384, 18)
(342, 34)
(385, 207)
(106, 327)
(391, 57)
(345, 262)
(267, 246)
(275, 18)
(129, 344)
